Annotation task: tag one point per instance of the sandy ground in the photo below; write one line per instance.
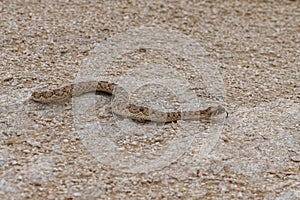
(242, 55)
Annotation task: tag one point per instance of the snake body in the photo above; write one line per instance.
(121, 104)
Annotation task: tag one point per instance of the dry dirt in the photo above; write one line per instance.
(250, 61)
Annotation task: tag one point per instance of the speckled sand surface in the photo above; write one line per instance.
(47, 152)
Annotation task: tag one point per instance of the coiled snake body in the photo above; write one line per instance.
(121, 104)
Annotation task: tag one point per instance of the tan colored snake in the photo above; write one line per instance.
(120, 103)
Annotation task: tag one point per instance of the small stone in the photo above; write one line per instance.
(295, 158)
(77, 194)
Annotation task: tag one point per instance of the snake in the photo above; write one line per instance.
(121, 104)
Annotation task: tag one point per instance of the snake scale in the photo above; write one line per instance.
(121, 104)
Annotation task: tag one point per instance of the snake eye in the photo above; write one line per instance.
(145, 111)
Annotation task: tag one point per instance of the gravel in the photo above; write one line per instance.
(249, 53)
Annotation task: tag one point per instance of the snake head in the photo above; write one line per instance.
(35, 96)
(41, 96)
